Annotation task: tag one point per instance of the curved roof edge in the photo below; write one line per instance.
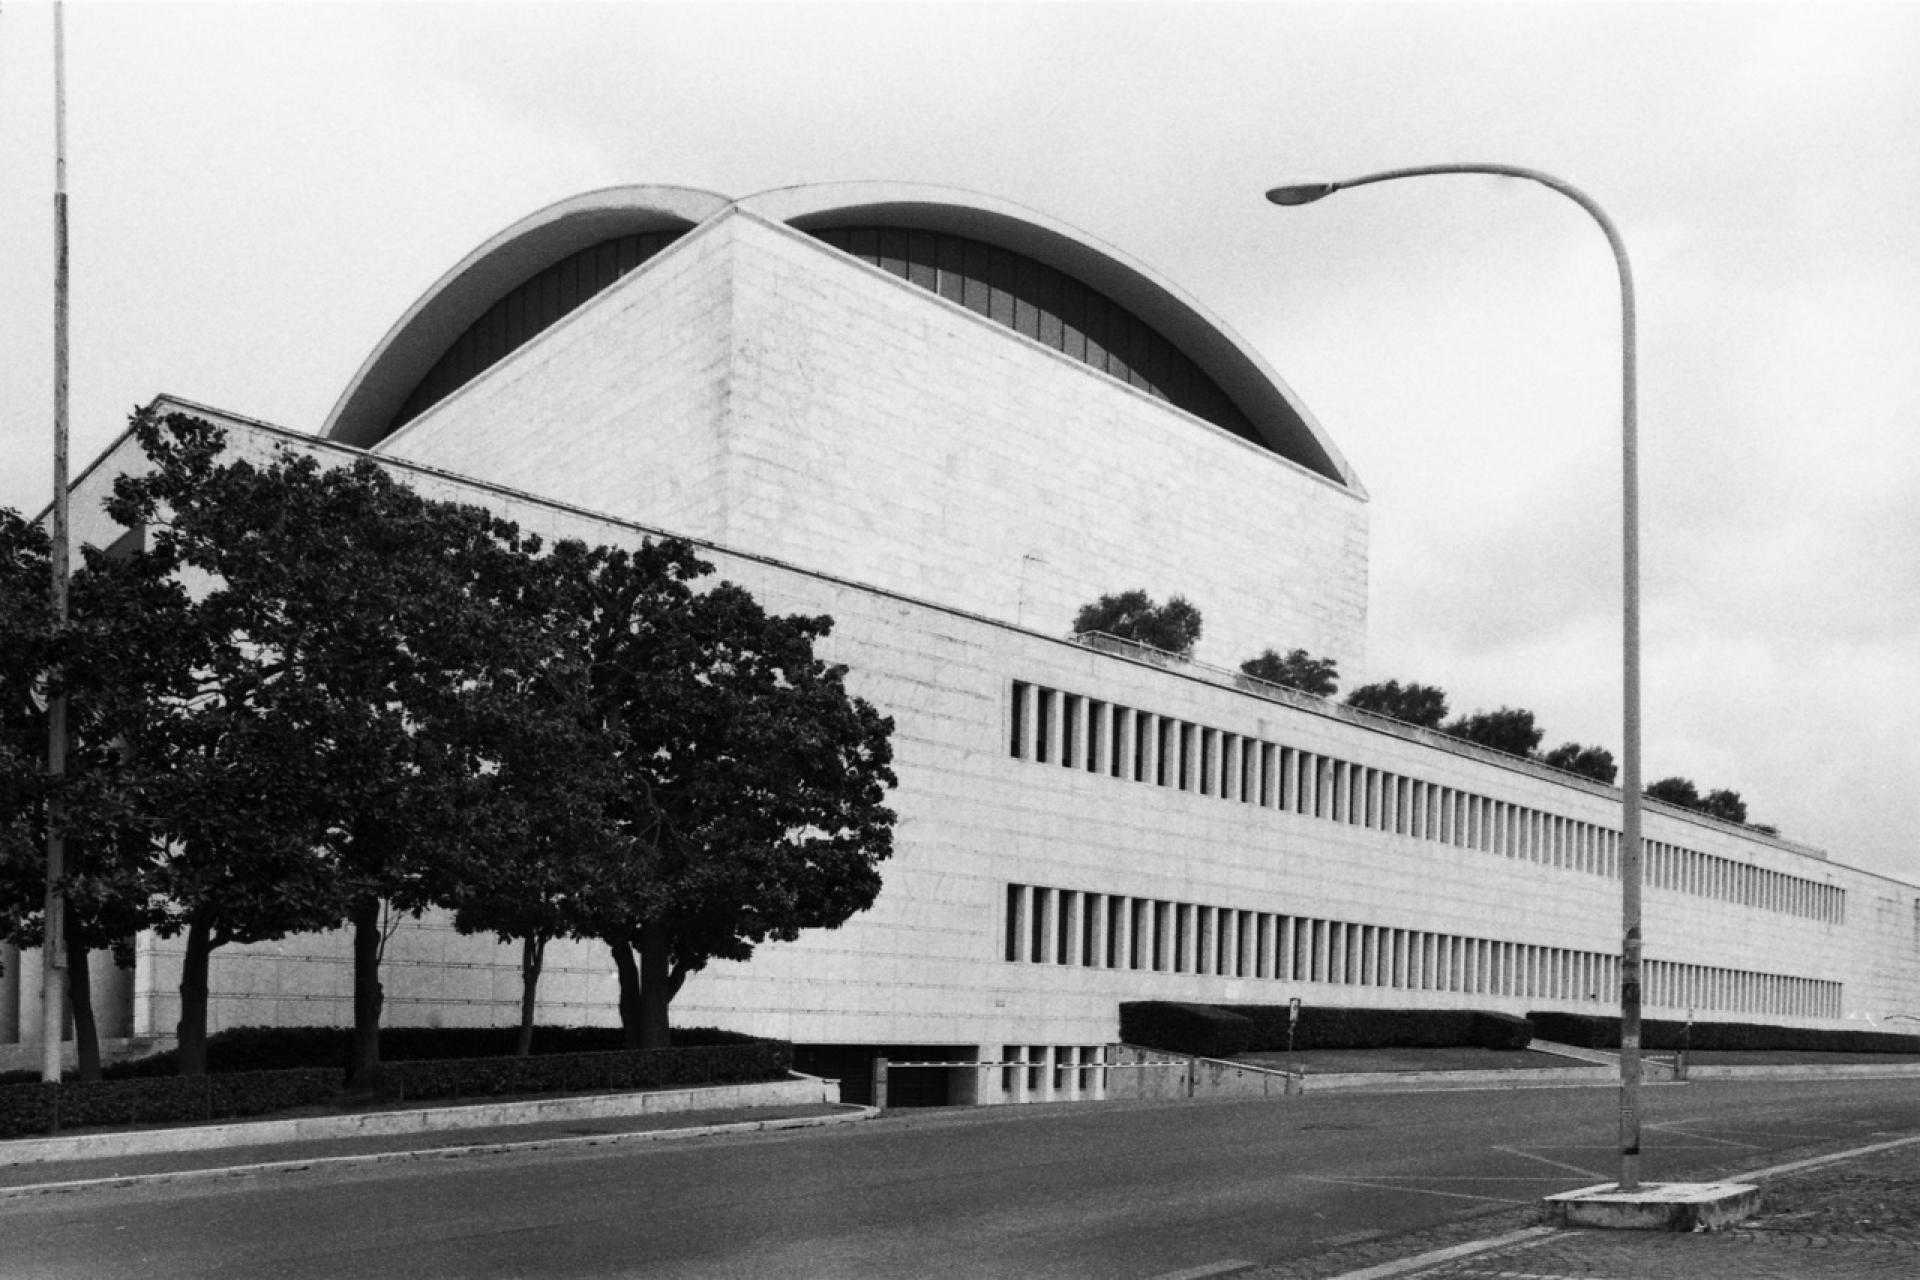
(417, 339)
(1284, 422)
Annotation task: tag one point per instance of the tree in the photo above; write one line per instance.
(1722, 804)
(542, 822)
(317, 771)
(1726, 806)
(1676, 791)
(1317, 676)
(123, 644)
(1509, 730)
(1415, 704)
(1132, 615)
(753, 781)
(1588, 762)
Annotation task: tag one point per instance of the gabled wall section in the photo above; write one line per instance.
(617, 408)
(906, 441)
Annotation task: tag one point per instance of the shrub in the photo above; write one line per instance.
(1501, 1030)
(1185, 1028)
(562, 1072)
(38, 1108)
(1593, 1031)
(287, 1048)
(1336, 1028)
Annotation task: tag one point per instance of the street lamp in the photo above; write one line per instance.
(1306, 191)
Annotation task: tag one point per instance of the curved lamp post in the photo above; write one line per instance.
(1306, 191)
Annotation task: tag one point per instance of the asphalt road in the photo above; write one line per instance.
(1120, 1191)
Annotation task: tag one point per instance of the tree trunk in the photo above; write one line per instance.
(86, 1034)
(656, 987)
(623, 965)
(363, 1067)
(192, 1031)
(532, 952)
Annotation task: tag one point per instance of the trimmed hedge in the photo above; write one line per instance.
(565, 1072)
(36, 1108)
(1220, 1031)
(1185, 1028)
(1591, 1031)
(45, 1108)
(287, 1048)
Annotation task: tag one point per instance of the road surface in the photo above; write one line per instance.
(1120, 1191)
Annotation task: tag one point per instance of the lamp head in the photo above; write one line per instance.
(1302, 191)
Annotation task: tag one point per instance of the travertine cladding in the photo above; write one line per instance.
(926, 964)
(615, 408)
(752, 384)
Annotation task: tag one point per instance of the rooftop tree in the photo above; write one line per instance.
(1509, 730)
(1133, 615)
(1415, 704)
(1296, 670)
(1588, 762)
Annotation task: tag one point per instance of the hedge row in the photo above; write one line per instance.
(1221, 1031)
(565, 1072)
(285, 1048)
(1590, 1031)
(45, 1108)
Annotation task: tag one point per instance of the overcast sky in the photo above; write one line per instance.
(259, 191)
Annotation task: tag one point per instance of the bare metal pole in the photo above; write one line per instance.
(1306, 192)
(53, 952)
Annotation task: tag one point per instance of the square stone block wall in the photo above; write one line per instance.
(929, 964)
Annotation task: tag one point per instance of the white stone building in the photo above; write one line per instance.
(949, 422)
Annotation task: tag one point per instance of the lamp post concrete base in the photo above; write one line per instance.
(1655, 1206)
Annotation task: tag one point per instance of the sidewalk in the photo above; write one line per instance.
(1848, 1216)
(572, 1122)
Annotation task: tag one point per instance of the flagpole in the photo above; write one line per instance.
(53, 952)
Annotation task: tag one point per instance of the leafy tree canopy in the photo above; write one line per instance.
(1296, 670)
(316, 772)
(1133, 615)
(1725, 805)
(1417, 704)
(1589, 762)
(754, 783)
(1509, 729)
(1722, 804)
(1675, 790)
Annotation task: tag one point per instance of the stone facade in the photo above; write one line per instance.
(1078, 827)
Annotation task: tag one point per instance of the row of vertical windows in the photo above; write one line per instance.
(1109, 931)
(531, 307)
(1672, 985)
(1050, 307)
(1049, 726)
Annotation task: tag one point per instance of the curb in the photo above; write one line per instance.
(851, 1116)
(796, 1090)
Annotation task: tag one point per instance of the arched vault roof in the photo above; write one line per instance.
(367, 408)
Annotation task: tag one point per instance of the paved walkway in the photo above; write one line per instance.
(1848, 1218)
(49, 1177)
